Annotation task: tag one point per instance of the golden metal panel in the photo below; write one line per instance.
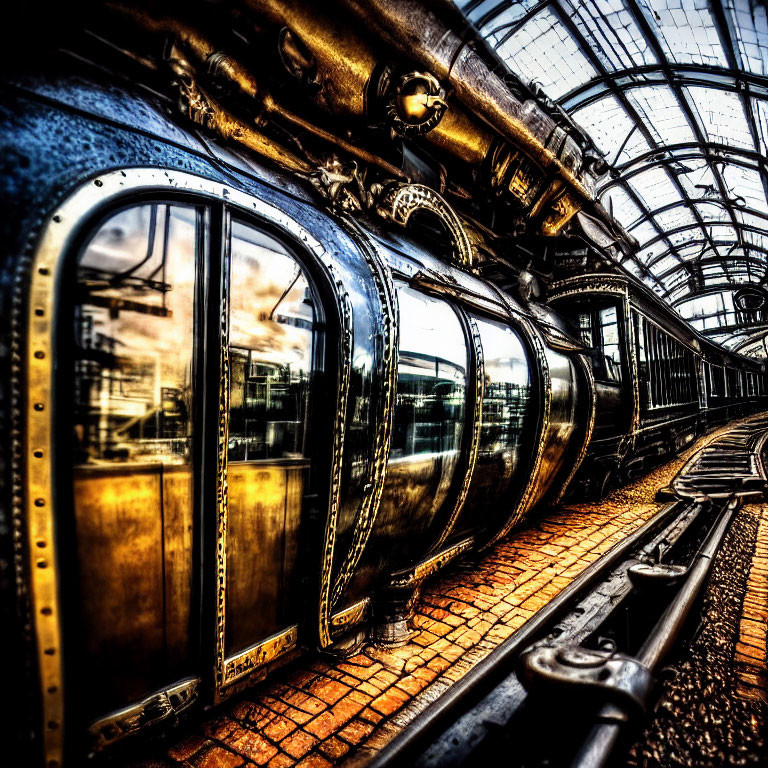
(243, 664)
(412, 577)
(34, 500)
(160, 707)
(177, 535)
(350, 616)
(262, 532)
(118, 520)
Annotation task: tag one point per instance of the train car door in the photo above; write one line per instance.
(129, 454)
(186, 450)
(270, 352)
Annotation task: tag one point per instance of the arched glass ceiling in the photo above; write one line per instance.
(675, 94)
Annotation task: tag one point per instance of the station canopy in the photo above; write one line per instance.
(675, 94)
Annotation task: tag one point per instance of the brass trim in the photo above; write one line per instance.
(241, 665)
(593, 283)
(632, 364)
(349, 617)
(35, 497)
(412, 577)
(370, 505)
(477, 424)
(339, 433)
(158, 708)
(400, 201)
(222, 489)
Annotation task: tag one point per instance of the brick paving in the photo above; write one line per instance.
(751, 657)
(320, 712)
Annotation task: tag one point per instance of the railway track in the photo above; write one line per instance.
(573, 685)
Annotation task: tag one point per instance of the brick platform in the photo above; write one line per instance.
(319, 712)
(751, 652)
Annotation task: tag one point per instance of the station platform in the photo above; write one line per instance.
(320, 712)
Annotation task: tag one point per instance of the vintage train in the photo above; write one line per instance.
(244, 415)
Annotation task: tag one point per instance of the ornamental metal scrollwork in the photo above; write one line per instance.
(399, 202)
(417, 105)
(163, 707)
(339, 434)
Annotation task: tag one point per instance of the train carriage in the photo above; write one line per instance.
(658, 383)
(250, 402)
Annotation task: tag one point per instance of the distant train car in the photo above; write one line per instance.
(658, 383)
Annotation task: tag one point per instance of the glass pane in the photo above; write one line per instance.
(134, 326)
(431, 378)
(272, 319)
(271, 347)
(428, 421)
(133, 373)
(505, 413)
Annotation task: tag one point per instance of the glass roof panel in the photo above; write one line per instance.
(686, 31)
(684, 236)
(654, 188)
(750, 24)
(760, 110)
(696, 178)
(660, 111)
(620, 204)
(664, 264)
(713, 212)
(499, 23)
(722, 117)
(751, 220)
(543, 51)
(611, 32)
(679, 216)
(609, 126)
(644, 231)
(746, 186)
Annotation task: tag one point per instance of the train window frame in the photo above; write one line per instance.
(668, 377)
(39, 340)
(605, 369)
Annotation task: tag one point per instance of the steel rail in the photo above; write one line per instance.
(602, 742)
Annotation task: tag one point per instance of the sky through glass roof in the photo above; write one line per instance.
(674, 93)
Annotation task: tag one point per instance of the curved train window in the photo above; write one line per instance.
(431, 378)
(271, 347)
(133, 494)
(506, 398)
(272, 319)
(429, 416)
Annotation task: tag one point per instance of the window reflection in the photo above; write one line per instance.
(507, 393)
(272, 319)
(132, 481)
(506, 399)
(134, 320)
(431, 378)
(599, 332)
(271, 337)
